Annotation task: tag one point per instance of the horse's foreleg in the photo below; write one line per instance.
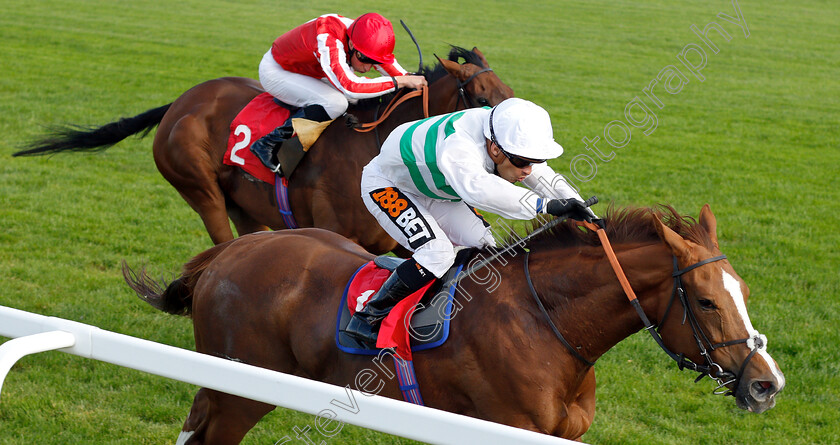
(581, 411)
(243, 222)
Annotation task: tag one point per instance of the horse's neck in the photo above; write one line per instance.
(443, 96)
(589, 305)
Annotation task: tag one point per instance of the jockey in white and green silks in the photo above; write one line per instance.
(431, 175)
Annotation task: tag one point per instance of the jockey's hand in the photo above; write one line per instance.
(409, 81)
(570, 208)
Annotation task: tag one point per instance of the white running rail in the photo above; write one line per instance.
(33, 333)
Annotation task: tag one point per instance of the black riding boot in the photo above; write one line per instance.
(266, 147)
(365, 323)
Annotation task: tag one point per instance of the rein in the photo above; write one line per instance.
(547, 317)
(395, 102)
(424, 92)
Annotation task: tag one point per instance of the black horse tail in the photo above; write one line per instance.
(92, 139)
(176, 297)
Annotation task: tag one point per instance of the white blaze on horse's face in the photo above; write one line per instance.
(733, 286)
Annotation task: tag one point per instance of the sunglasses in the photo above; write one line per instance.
(516, 161)
(365, 59)
(519, 161)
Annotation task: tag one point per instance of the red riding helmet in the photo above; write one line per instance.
(373, 36)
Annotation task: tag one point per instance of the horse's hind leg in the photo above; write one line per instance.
(209, 203)
(219, 418)
(196, 420)
(190, 167)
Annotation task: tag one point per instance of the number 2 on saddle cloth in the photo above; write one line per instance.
(261, 116)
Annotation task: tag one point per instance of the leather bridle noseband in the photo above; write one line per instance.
(709, 367)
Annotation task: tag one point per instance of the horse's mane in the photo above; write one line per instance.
(431, 73)
(623, 226)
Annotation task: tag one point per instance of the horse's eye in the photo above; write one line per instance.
(483, 102)
(706, 304)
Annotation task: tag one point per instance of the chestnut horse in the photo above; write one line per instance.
(324, 190)
(505, 360)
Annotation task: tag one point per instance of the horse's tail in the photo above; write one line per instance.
(176, 297)
(80, 138)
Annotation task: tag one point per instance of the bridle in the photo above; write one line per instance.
(705, 345)
(709, 367)
(463, 93)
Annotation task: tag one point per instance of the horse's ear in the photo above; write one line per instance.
(451, 67)
(678, 245)
(480, 56)
(708, 221)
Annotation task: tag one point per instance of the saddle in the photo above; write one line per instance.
(262, 115)
(428, 310)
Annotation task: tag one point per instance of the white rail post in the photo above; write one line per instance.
(41, 333)
(15, 349)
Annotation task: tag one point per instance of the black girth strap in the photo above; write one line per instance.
(547, 317)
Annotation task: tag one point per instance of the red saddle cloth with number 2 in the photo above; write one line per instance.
(258, 118)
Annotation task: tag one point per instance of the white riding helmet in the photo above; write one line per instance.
(522, 128)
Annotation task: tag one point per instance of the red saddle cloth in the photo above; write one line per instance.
(258, 118)
(393, 333)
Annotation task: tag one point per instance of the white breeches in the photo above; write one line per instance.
(428, 227)
(300, 90)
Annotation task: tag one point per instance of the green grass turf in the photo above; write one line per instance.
(757, 139)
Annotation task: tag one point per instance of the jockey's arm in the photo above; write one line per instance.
(544, 181)
(549, 184)
(340, 74)
(401, 78)
(391, 69)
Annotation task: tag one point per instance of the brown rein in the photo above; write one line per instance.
(619, 272)
(395, 102)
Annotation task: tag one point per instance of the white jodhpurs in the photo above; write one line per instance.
(300, 90)
(428, 227)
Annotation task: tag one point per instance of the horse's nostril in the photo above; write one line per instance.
(763, 389)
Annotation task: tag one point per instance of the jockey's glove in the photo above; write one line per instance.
(569, 208)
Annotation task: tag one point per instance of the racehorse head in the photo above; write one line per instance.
(477, 84)
(706, 318)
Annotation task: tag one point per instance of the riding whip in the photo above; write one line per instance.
(419, 53)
